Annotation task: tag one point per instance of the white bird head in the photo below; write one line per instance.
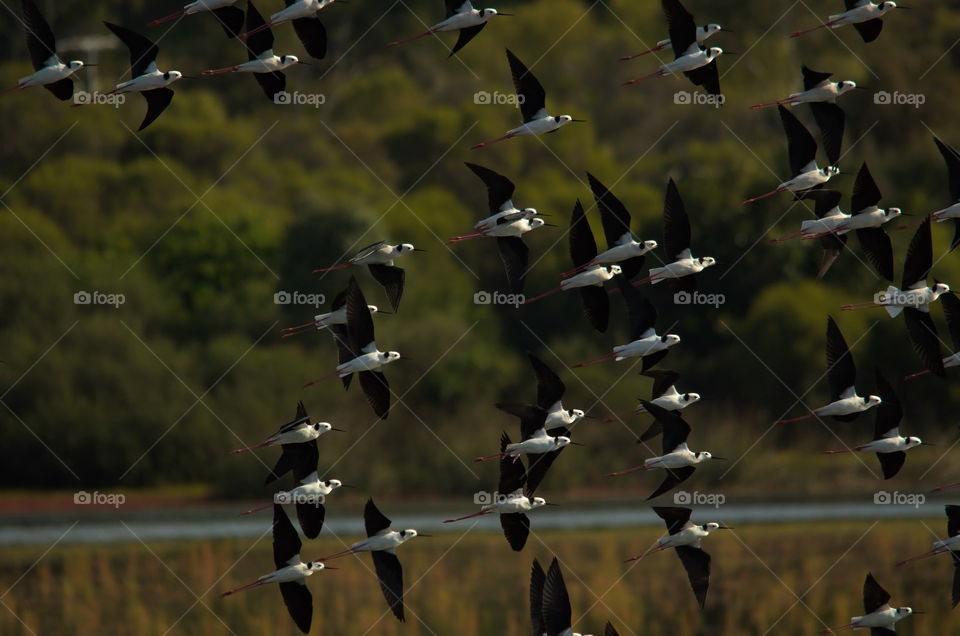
(939, 289)
(407, 534)
(315, 566)
(903, 612)
(538, 502)
(373, 309)
(671, 339)
(872, 400)
(892, 213)
(334, 483)
(830, 171)
(844, 86)
(714, 52)
(536, 222)
(690, 398)
(529, 212)
(710, 29)
(713, 525)
(886, 6)
(172, 76)
(649, 245)
(912, 441)
(322, 427)
(577, 414)
(391, 356)
(289, 60)
(561, 441)
(405, 247)
(703, 456)
(707, 261)
(75, 65)
(563, 120)
(486, 14)
(616, 270)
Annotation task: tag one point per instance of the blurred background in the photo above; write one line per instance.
(225, 204)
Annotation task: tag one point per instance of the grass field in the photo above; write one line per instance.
(472, 584)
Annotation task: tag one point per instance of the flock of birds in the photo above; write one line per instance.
(546, 424)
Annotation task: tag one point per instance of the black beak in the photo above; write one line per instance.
(726, 30)
(509, 15)
(590, 417)
(417, 249)
(722, 526)
(550, 504)
(723, 459)
(304, 63)
(550, 225)
(577, 444)
(339, 430)
(429, 536)
(347, 486)
(327, 567)
(86, 65)
(582, 121)
(383, 311)
(927, 444)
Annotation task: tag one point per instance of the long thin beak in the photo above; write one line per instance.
(550, 225)
(339, 430)
(381, 311)
(903, 7)
(577, 444)
(582, 121)
(590, 417)
(862, 88)
(724, 527)
(86, 65)
(729, 53)
(347, 486)
(188, 77)
(417, 249)
(927, 444)
(327, 567)
(509, 15)
(550, 504)
(723, 459)
(726, 30)
(429, 536)
(305, 63)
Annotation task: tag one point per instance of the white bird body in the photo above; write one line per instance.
(558, 417)
(304, 432)
(809, 177)
(516, 228)
(299, 9)
(295, 572)
(513, 503)
(885, 617)
(336, 317)
(834, 222)
(387, 540)
(703, 32)
(848, 404)
(266, 62)
(596, 275)
(370, 359)
(539, 443)
(692, 59)
(952, 360)
(465, 19)
(627, 249)
(677, 458)
(894, 300)
(825, 91)
(864, 11)
(692, 534)
(312, 489)
(507, 209)
(890, 444)
(672, 400)
(382, 255)
(649, 343)
(541, 124)
(873, 217)
(952, 212)
(150, 80)
(53, 71)
(951, 544)
(685, 265)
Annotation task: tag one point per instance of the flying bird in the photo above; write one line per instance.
(462, 17)
(307, 25)
(644, 341)
(677, 459)
(703, 32)
(699, 64)
(229, 16)
(802, 151)
(550, 390)
(535, 441)
(291, 573)
(379, 258)
(266, 66)
(949, 545)
(845, 405)
(509, 230)
(333, 320)
(951, 310)
(511, 501)
(889, 445)
(299, 430)
(145, 77)
(686, 538)
(50, 71)
(865, 16)
(532, 100)
(500, 192)
(878, 615)
(664, 394)
(381, 543)
(952, 212)
(550, 610)
(367, 361)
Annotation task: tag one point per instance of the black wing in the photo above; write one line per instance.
(465, 36)
(41, 42)
(373, 520)
(707, 76)
(865, 191)
(583, 247)
(61, 89)
(651, 360)
(801, 146)
(675, 518)
(841, 371)
(299, 603)
(832, 245)
(675, 477)
(390, 575)
(655, 428)
(876, 246)
(537, 469)
(613, 214)
(391, 278)
(953, 519)
(923, 335)
(157, 101)
(345, 352)
(516, 528)
(261, 41)
(359, 320)
(286, 541)
(951, 309)
(512, 473)
(919, 258)
(697, 564)
(891, 463)
(550, 387)
(609, 630)
(596, 305)
(313, 36)
(889, 411)
(686, 283)
(515, 255)
(557, 614)
(640, 311)
(537, 580)
(874, 596)
(231, 19)
(142, 50)
(680, 24)
(296, 457)
(311, 516)
(813, 78)
(952, 159)
(831, 121)
(528, 88)
(955, 589)
(869, 30)
(675, 428)
(499, 188)
(377, 390)
(676, 223)
(662, 380)
(271, 83)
